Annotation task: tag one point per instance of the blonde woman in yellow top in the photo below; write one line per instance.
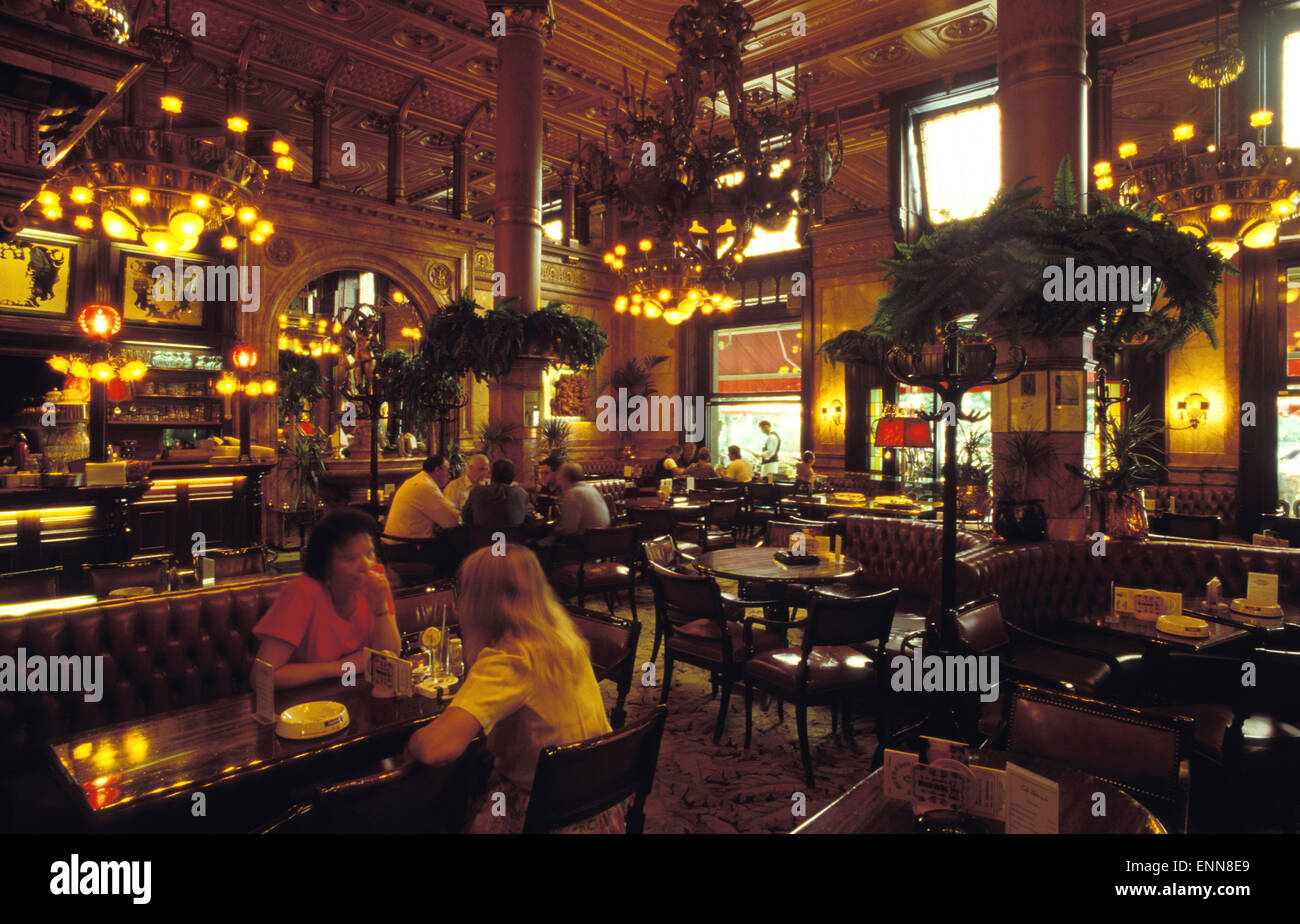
(530, 685)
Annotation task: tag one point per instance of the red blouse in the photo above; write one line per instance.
(303, 616)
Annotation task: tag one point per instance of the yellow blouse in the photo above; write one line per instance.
(522, 714)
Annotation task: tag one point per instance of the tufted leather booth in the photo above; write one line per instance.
(161, 652)
(614, 490)
(602, 468)
(1200, 500)
(1045, 583)
(905, 554)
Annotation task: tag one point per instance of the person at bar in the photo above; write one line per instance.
(500, 504)
(702, 467)
(340, 605)
(737, 469)
(476, 472)
(804, 476)
(530, 685)
(666, 467)
(419, 506)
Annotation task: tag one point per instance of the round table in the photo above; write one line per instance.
(759, 565)
(687, 511)
(865, 810)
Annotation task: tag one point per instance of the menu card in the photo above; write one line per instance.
(946, 782)
(627, 471)
(690, 483)
(1033, 802)
(207, 572)
(1261, 589)
(263, 678)
(389, 674)
(1145, 604)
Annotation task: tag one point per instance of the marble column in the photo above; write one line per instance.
(1042, 94)
(517, 232)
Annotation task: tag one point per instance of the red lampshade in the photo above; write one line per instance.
(243, 357)
(99, 322)
(903, 432)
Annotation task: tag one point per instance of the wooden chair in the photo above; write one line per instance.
(231, 563)
(156, 574)
(613, 652)
(578, 781)
(720, 529)
(608, 565)
(689, 612)
(762, 504)
(26, 586)
(1141, 752)
(842, 656)
(657, 521)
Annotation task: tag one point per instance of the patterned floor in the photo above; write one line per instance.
(701, 787)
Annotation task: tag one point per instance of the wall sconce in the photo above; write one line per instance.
(1194, 409)
(834, 413)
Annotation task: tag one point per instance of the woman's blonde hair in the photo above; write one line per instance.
(508, 597)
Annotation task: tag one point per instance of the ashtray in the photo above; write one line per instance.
(312, 720)
(1259, 610)
(1186, 626)
(788, 558)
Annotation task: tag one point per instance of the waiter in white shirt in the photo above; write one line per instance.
(767, 456)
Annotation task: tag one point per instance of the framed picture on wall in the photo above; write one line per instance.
(145, 294)
(1028, 400)
(36, 275)
(1068, 410)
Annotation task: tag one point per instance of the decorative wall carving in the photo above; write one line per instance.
(572, 397)
(280, 250)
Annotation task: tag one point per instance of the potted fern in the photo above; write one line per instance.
(555, 434)
(637, 377)
(1026, 456)
(1116, 493)
(494, 439)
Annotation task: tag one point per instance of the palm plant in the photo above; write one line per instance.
(556, 434)
(1127, 453)
(636, 375)
(494, 438)
(1025, 456)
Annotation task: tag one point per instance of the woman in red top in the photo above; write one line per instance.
(338, 607)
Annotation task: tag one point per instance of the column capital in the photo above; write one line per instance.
(526, 16)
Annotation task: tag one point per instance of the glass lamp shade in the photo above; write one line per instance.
(903, 433)
(243, 357)
(99, 321)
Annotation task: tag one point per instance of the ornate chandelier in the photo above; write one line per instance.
(704, 166)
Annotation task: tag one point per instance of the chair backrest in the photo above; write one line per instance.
(611, 542)
(764, 495)
(1277, 683)
(421, 607)
(723, 514)
(25, 586)
(836, 620)
(1135, 750)
(235, 562)
(661, 550)
(612, 640)
(654, 521)
(574, 782)
(155, 573)
(685, 597)
(700, 497)
(980, 626)
(778, 533)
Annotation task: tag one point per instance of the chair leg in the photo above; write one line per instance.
(631, 596)
(801, 717)
(749, 712)
(848, 717)
(668, 677)
(713, 679)
(609, 604)
(835, 717)
(722, 710)
(659, 634)
(780, 709)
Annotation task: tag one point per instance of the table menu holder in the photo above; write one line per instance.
(1145, 604)
(940, 781)
(263, 680)
(389, 675)
(207, 572)
(1033, 802)
(690, 483)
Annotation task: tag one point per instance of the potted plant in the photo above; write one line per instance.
(1025, 457)
(301, 386)
(495, 438)
(973, 467)
(635, 375)
(555, 434)
(1118, 501)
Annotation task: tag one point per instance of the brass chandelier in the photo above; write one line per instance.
(703, 166)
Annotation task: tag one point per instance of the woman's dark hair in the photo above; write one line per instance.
(808, 456)
(335, 529)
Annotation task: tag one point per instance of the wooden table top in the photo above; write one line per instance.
(826, 502)
(143, 763)
(1220, 633)
(759, 565)
(865, 810)
(1290, 616)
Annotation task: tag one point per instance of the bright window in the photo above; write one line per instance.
(765, 242)
(757, 376)
(1291, 90)
(960, 161)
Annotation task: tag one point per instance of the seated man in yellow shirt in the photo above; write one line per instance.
(737, 469)
(418, 507)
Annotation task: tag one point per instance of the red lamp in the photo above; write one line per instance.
(99, 322)
(904, 433)
(243, 357)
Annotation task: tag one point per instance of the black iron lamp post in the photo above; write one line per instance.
(962, 365)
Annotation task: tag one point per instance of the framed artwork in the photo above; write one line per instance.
(35, 276)
(139, 305)
(1028, 394)
(1068, 410)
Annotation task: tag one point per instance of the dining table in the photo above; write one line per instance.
(144, 774)
(865, 809)
(819, 505)
(1221, 634)
(761, 565)
(680, 508)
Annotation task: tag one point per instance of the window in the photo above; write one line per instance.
(765, 242)
(953, 164)
(1291, 90)
(757, 376)
(1288, 403)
